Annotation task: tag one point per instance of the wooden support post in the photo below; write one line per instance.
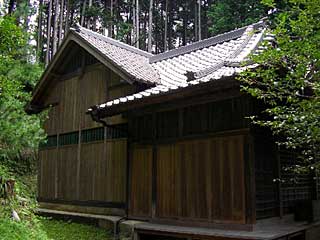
(279, 190)
(128, 182)
(154, 166)
(38, 175)
(78, 164)
(56, 169)
(249, 169)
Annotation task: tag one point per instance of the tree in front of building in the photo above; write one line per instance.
(287, 78)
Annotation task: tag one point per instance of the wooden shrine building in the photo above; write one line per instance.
(164, 139)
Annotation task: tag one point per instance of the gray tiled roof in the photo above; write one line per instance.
(134, 62)
(201, 62)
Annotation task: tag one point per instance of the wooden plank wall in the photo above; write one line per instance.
(93, 90)
(200, 179)
(99, 174)
(75, 95)
(47, 165)
(103, 173)
(83, 171)
(67, 172)
(52, 124)
(141, 181)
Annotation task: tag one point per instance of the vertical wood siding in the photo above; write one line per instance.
(93, 90)
(52, 124)
(89, 171)
(201, 179)
(48, 161)
(67, 172)
(116, 178)
(103, 171)
(100, 175)
(141, 181)
(69, 114)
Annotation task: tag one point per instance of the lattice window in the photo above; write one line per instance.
(265, 165)
(294, 186)
(92, 135)
(69, 138)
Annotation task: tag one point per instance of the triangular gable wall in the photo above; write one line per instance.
(68, 50)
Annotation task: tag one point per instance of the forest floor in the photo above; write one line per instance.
(31, 226)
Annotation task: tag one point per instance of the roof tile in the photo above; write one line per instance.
(208, 60)
(133, 61)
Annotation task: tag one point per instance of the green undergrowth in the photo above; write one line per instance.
(31, 226)
(62, 230)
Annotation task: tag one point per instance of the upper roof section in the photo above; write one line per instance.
(200, 62)
(212, 59)
(131, 60)
(199, 45)
(207, 57)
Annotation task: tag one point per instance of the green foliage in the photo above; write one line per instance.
(12, 39)
(60, 230)
(287, 76)
(20, 133)
(227, 15)
(46, 229)
(11, 230)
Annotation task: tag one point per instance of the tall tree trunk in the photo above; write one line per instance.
(49, 33)
(206, 22)
(89, 18)
(72, 19)
(150, 26)
(156, 29)
(196, 28)
(83, 13)
(166, 27)
(61, 22)
(138, 24)
(110, 27)
(55, 28)
(39, 34)
(66, 24)
(26, 17)
(18, 17)
(170, 27)
(144, 28)
(184, 23)
(11, 6)
(134, 19)
(199, 20)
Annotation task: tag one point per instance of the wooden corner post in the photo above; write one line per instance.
(249, 171)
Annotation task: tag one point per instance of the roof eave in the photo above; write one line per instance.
(226, 82)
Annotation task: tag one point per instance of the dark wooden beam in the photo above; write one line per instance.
(154, 166)
(250, 188)
(278, 182)
(103, 204)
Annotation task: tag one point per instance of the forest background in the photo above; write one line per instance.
(31, 31)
